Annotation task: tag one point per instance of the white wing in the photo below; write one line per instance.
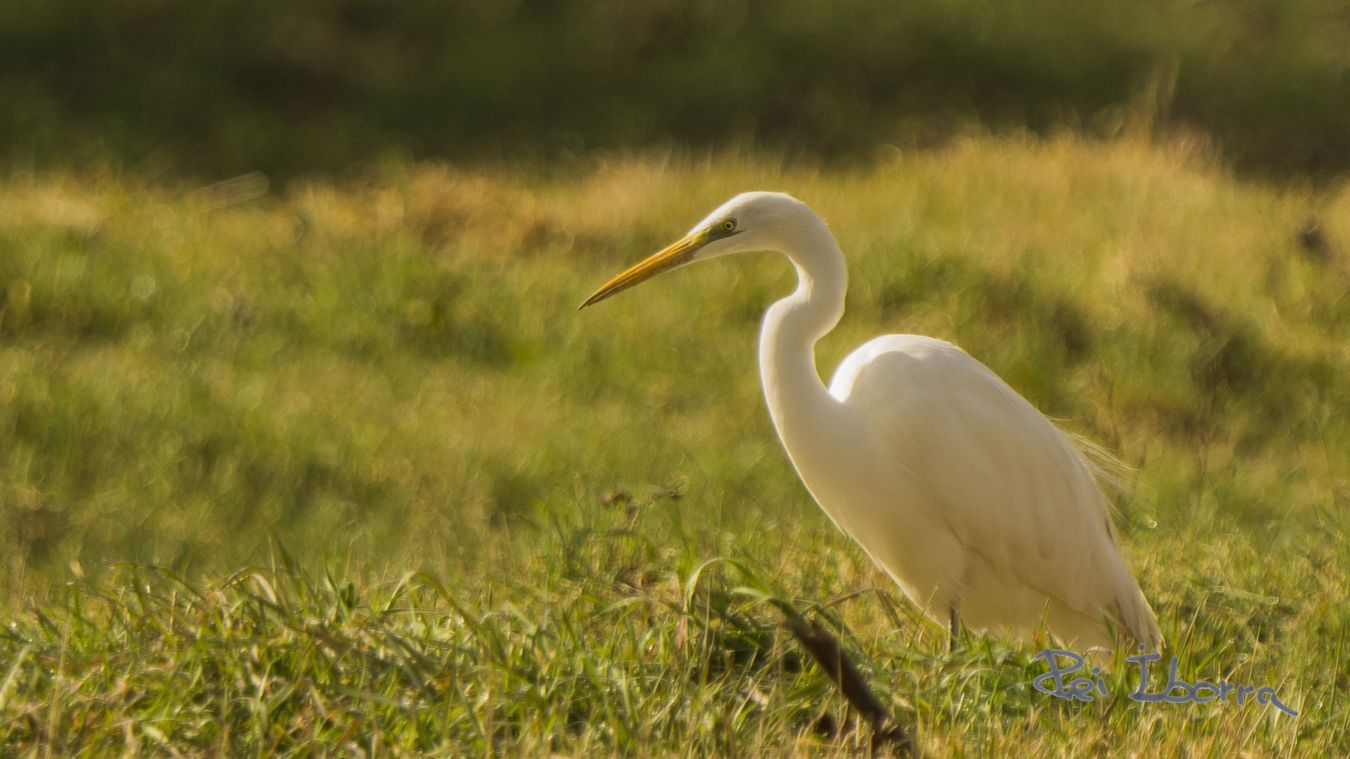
(1014, 493)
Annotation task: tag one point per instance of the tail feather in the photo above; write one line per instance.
(1134, 615)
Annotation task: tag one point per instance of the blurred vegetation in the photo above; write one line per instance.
(388, 373)
(374, 360)
(394, 366)
(312, 87)
(616, 636)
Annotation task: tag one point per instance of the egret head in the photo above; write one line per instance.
(750, 221)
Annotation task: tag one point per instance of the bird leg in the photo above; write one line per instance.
(954, 620)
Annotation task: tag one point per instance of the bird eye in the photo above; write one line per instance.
(729, 225)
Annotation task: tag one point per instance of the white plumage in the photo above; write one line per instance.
(966, 495)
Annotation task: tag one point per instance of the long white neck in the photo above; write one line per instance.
(806, 416)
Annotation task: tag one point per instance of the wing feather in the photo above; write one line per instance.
(1009, 485)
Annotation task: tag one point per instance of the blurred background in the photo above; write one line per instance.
(215, 89)
(307, 271)
(293, 285)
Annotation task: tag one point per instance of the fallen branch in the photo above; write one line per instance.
(825, 649)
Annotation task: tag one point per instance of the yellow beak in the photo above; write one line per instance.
(676, 254)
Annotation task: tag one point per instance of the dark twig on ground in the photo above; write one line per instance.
(887, 732)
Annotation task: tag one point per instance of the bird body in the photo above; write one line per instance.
(1014, 529)
(956, 486)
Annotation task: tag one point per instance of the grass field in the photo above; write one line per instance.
(340, 466)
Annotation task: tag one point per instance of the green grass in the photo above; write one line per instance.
(475, 520)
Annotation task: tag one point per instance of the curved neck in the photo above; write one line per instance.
(799, 403)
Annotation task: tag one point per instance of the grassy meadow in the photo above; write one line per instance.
(336, 465)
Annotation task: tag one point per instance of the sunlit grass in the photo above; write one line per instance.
(389, 377)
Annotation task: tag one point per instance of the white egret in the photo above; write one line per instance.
(969, 498)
